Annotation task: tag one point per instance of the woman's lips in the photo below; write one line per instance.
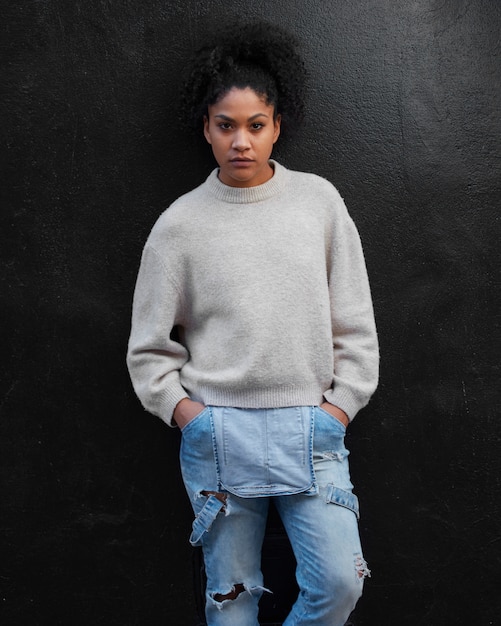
(241, 162)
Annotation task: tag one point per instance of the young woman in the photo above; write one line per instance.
(253, 332)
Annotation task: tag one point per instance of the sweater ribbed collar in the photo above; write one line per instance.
(248, 195)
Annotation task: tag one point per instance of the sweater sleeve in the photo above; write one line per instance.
(154, 357)
(355, 344)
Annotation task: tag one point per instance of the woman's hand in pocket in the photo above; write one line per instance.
(336, 412)
(185, 411)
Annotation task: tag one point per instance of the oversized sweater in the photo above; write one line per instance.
(254, 297)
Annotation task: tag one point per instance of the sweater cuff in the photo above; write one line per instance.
(171, 398)
(344, 399)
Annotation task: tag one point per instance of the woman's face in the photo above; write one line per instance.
(242, 131)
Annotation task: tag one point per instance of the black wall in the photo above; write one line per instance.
(404, 118)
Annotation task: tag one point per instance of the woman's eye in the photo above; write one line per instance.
(225, 125)
(257, 126)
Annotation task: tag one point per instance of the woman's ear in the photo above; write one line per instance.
(206, 129)
(277, 122)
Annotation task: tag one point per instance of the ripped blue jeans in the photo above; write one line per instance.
(233, 461)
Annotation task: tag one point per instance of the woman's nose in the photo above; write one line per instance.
(241, 141)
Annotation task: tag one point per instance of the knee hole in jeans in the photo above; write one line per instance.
(232, 595)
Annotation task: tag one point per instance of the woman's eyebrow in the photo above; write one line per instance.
(226, 118)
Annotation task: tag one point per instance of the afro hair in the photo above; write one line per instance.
(261, 56)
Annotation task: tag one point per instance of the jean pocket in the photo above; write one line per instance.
(328, 435)
(198, 464)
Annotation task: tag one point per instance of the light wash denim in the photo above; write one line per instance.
(233, 461)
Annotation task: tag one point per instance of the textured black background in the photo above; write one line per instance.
(404, 119)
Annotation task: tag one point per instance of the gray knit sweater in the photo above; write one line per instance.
(267, 289)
